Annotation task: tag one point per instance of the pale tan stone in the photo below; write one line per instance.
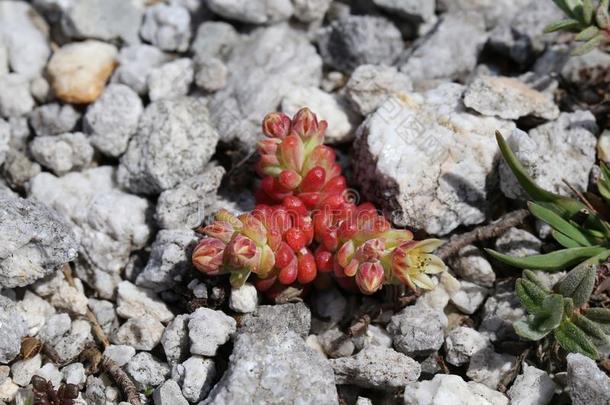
(79, 71)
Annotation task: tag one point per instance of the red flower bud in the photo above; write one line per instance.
(242, 253)
(221, 230)
(369, 277)
(292, 153)
(276, 125)
(208, 256)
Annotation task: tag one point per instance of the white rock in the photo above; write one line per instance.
(142, 333)
(264, 66)
(74, 374)
(25, 35)
(508, 98)
(5, 137)
(310, 10)
(450, 52)
(197, 377)
(35, 311)
(167, 27)
(135, 63)
(211, 74)
(469, 297)
(113, 119)
(451, 389)
(51, 373)
(61, 294)
(54, 119)
(170, 80)
(417, 330)
(253, 11)
(8, 390)
(175, 339)
(336, 344)
(135, 302)
(414, 156)
(110, 223)
(332, 108)
(471, 265)
(586, 382)
(169, 394)
(175, 140)
(244, 299)
(146, 371)
(79, 70)
(62, 153)
(22, 371)
(370, 85)
(108, 20)
(15, 97)
(462, 343)
(532, 387)
(558, 151)
(209, 329)
(121, 354)
(489, 368)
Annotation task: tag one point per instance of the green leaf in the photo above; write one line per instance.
(558, 223)
(592, 329)
(551, 315)
(603, 183)
(568, 25)
(566, 207)
(601, 316)
(562, 4)
(589, 45)
(574, 340)
(530, 295)
(587, 34)
(525, 330)
(588, 11)
(554, 261)
(579, 282)
(531, 276)
(564, 240)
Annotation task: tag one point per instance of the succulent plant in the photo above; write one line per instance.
(585, 235)
(591, 22)
(304, 225)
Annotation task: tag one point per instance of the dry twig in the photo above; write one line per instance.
(482, 233)
(98, 361)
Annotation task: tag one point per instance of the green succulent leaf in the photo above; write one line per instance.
(589, 45)
(565, 6)
(558, 223)
(554, 261)
(588, 11)
(551, 314)
(579, 282)
(530, 295)
(561, 25)
(575, 340)
(525, 330)
(564, 240)
(531, 276)
(600, 316)
(592, 329)
(566, 207)
(587, 34)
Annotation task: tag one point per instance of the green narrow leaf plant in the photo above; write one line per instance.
(584, 234)
(590, 21)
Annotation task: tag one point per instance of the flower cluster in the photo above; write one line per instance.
(304, 226)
